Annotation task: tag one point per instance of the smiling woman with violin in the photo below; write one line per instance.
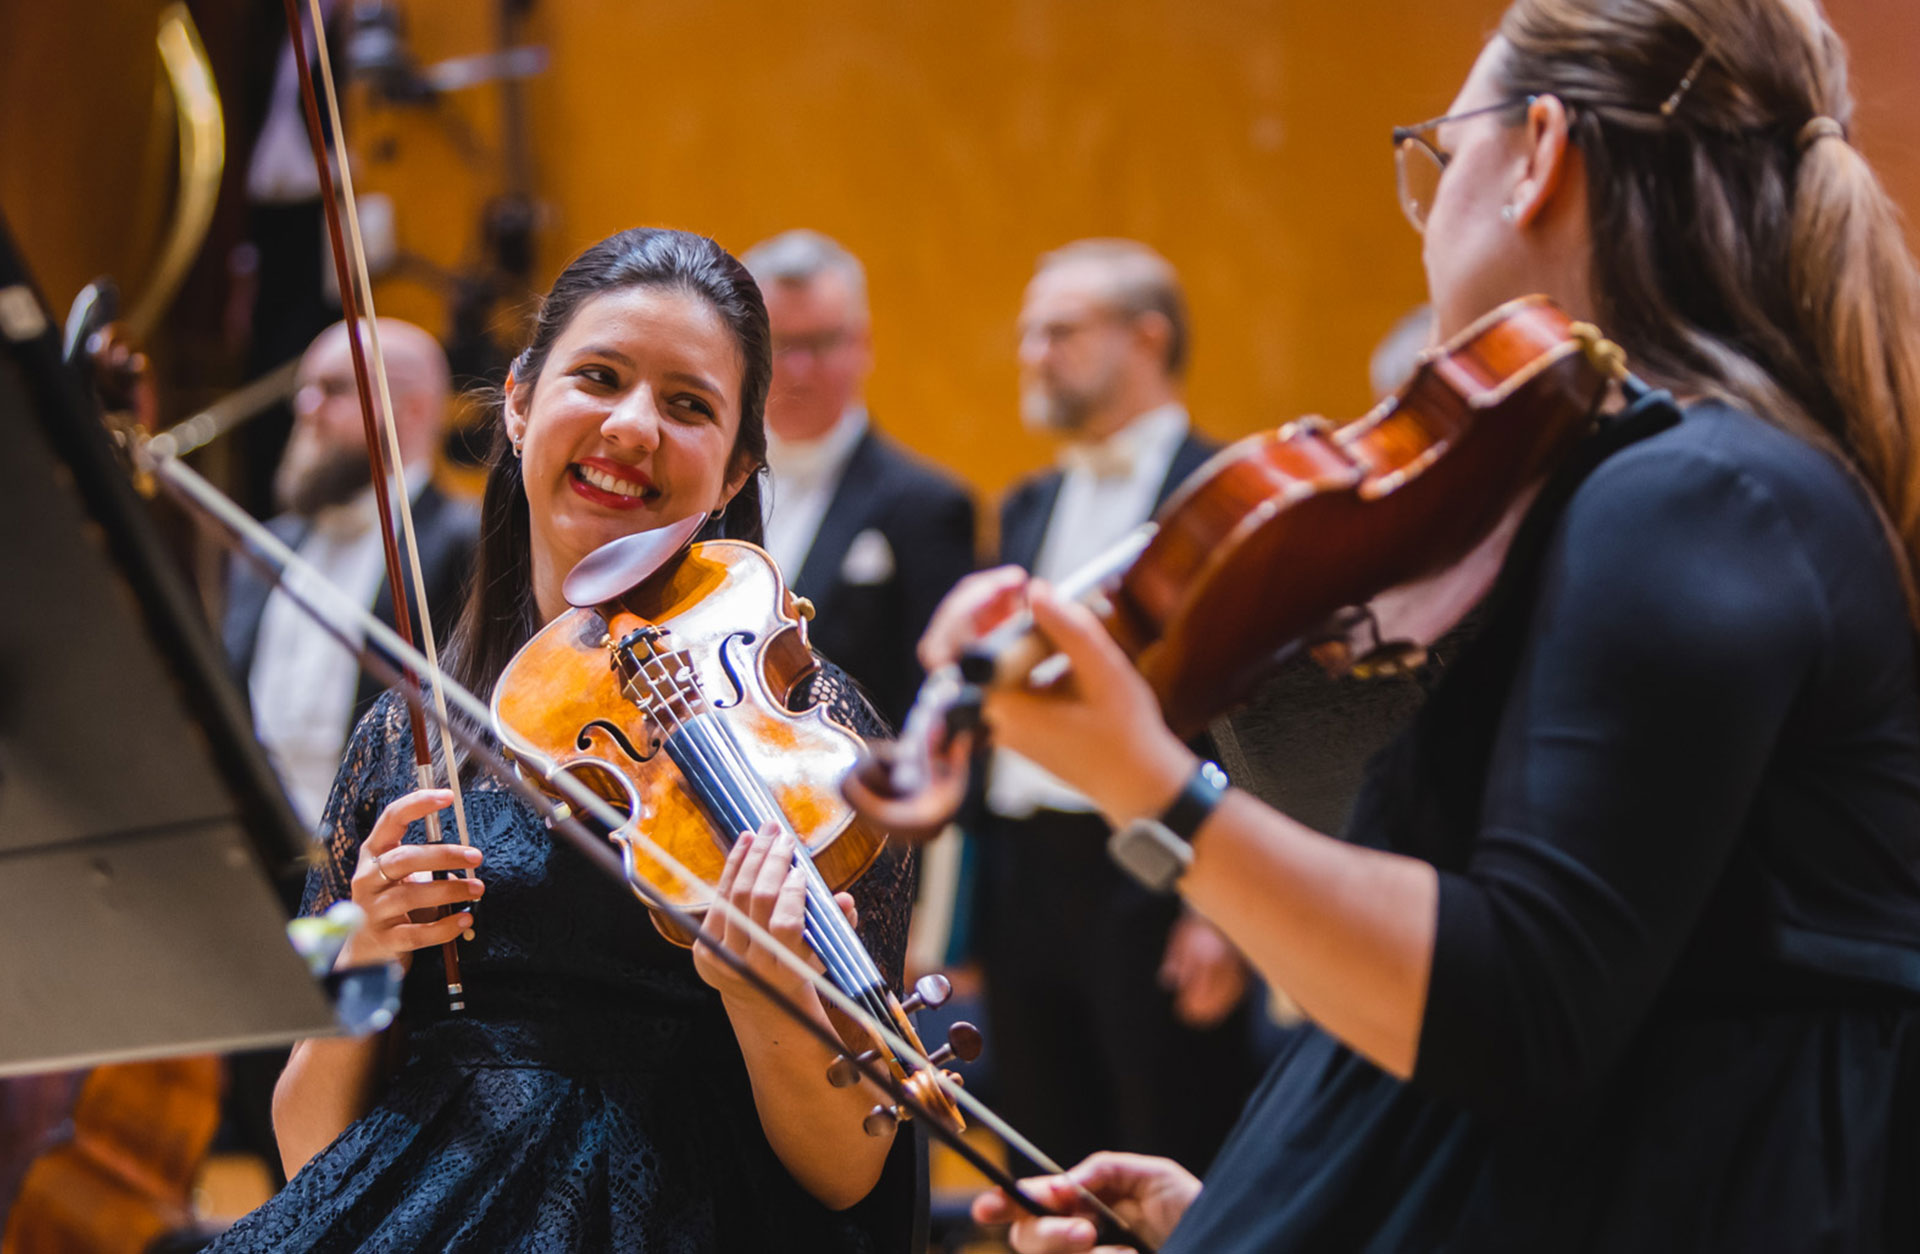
(1622, 951)
(601, 1089)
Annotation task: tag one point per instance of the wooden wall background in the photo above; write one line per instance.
(946, 144)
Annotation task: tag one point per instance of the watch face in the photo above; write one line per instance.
(1150, 853)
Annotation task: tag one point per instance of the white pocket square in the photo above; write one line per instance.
(869, 559)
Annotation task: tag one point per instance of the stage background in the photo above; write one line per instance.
(948, 145)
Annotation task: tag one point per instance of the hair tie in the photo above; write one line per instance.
(1820, 127)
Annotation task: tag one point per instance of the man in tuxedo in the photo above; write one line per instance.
(872, 535)
(306, 691)
(1119, 1021)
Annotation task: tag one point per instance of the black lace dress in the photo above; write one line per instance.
(592, 1096)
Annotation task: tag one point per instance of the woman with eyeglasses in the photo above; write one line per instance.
(1622, 950)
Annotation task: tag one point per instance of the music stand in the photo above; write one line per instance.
(138, 818)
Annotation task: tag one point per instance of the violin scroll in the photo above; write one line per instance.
(964, 1043)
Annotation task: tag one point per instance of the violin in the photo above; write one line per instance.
(1280, 540)
(670, 701)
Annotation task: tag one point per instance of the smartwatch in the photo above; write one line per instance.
(1156, 851)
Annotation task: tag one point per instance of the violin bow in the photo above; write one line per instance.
(356, 306)
(397, 661)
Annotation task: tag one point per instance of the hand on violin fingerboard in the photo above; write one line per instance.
(762, 880)
(384, 885)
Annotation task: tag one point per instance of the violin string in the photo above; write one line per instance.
(865, 978)
(831, 938)
(729, 745)
(370, 318)
(734, 815)
(831, 944)
(264, 545)
(819, 894)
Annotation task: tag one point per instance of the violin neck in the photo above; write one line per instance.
(1012, 652)
(737, 800)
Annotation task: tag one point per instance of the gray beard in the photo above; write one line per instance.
(333, 478)
(1053, 413)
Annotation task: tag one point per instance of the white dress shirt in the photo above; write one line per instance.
(303, 682)
(806, 473)
(1106, 490)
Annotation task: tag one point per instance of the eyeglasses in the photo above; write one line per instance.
(314, 393)
(1418, 162)
(817, 347)
(1058, 331)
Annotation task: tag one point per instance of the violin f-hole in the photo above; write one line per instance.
(612, 732)
(728, 665)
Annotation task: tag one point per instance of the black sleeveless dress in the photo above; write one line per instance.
(1673, 793)
(592, 1096)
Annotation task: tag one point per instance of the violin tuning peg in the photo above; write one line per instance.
(929, 992)
(881, 1121)
(844, 1072)
(964, 1042)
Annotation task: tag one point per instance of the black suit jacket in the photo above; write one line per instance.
(446, 529)
(913, 526)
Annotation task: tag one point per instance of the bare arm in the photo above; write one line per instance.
(1347, 931)
(329, 1081)
(814, 1128)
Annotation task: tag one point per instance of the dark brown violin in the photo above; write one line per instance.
(1272, 543)
(670, 701)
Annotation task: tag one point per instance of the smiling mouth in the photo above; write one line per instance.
(613, 485)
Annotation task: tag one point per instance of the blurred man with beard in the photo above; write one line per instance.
(307, 691)
(1118, 1020)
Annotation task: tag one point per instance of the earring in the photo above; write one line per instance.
(516, 448)
(717, 513)
(1508, 213)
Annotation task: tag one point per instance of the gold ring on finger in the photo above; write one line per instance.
(383, 871)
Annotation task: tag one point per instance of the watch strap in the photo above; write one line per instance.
(1190, 808)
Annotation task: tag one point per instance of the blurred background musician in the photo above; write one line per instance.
(1097, 991)
(871, 534)
(306, 691)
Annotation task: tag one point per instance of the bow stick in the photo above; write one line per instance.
(257, 544)
(356, 306)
